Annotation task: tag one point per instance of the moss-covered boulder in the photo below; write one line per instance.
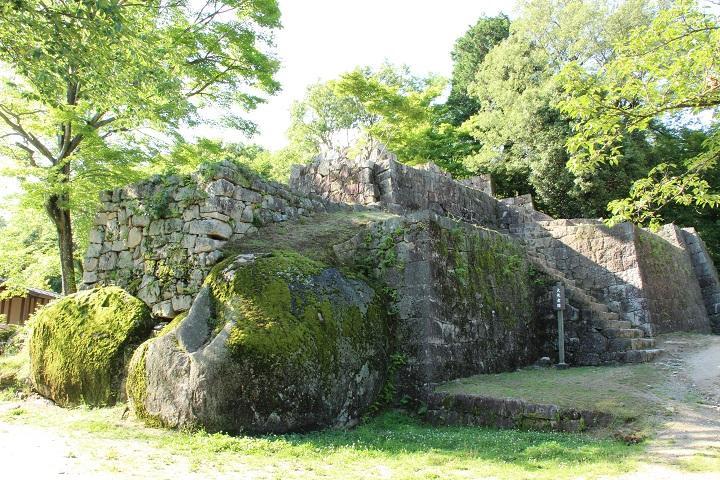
(80, 345)
(272, 343)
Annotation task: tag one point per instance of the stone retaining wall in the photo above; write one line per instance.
(464, 297)
(674, 299)
(601, 260)
(158, 239)
(376, 177)
(706, 274)
(477, 410)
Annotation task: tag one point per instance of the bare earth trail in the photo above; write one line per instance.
(688, 430)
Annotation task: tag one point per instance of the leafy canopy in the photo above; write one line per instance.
(91, 90)
(518, 126)
(389, 105)
(667, 71)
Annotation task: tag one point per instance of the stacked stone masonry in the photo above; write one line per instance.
(159, 239)
(707, 276)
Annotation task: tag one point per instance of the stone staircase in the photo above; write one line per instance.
(624, 344)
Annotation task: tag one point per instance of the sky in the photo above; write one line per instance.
(321, 39)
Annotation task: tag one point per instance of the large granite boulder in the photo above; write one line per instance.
(80, 345)
(272, 343)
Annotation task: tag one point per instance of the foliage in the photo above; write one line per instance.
(85, 85)
(28, 253)
(80, 344)
(665, 71)
(518, 124)
(389, 105)
(187, 158)
(468, 53)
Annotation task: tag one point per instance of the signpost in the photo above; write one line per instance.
(558, 299)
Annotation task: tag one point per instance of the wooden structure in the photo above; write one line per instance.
(19, 308)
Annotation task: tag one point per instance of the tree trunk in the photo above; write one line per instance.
(60, 215)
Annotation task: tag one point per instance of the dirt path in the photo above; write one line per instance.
(693, 428)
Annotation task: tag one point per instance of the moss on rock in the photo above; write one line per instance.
(274, 343)
(80, 345)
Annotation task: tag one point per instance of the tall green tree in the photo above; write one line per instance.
(86, 82)
(389, 105)
(519, 126)
(667, 72)
(467, 55)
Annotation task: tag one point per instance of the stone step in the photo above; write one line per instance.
(623, 333)
(611, 317)
(612, 324)
(625, 344)
(638, 356)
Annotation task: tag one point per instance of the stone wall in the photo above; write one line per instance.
(158, 239)
(601, 260)
(706, 274)
(480, 411)
(376, 177)
(464, 296)
(626, 268)
(675, 302)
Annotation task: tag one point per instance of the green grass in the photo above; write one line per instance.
(313, 236)
(392, 445)
(626, 391)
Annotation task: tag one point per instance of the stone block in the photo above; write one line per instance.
(134, 237)
(89, 277)
(212, 228)
(140, 220)
(163, 310)
(97, 235)
(204, 244)
(220, 187)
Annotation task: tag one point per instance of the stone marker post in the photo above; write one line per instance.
(559, 306)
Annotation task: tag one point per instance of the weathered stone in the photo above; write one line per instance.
(221, 187)
(212, 228)
(191, 213)
(93, 250)
(96, 236)
(140, 220)
(80, 344)
(90, 265)
(204, 244)
(134, 237)
(163, 310)
(216, 216)
(251, 382)
(247, 195)
(181, 303)
(89, 277)
(107, 261)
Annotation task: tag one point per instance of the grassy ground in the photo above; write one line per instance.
(626, 391)
(392, 445)
(109, 442)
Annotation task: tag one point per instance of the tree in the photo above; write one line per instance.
(28, 253)
(519, 126)
(87, 82)
(664, 73)
(468, 53)
(389, 105)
